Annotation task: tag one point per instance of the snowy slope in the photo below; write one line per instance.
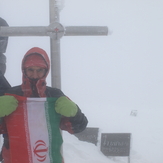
(146, 141)
(76, 151)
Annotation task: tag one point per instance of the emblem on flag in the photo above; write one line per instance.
(40, 150)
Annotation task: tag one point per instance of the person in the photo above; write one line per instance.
(35, 68)
(3, 46)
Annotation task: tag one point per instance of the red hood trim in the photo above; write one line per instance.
(41, 83)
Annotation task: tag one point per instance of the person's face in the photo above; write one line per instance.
(35, 72)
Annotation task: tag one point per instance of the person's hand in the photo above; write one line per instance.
(8, 104)
(66, 107)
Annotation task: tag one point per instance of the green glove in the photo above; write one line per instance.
(8, 104)
(66, 107)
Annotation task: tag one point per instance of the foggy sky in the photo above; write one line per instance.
(121, 70)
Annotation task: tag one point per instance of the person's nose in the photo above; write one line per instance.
(35, 74)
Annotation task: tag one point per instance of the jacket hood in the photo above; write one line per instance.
(41, 83)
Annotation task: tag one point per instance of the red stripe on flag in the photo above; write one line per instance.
(18, 134)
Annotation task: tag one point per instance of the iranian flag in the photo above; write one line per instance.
(34, 133)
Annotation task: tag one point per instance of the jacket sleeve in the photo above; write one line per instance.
(74, 124)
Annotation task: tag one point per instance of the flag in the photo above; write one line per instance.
(34, 133)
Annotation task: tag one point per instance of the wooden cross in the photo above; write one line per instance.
(55, 31)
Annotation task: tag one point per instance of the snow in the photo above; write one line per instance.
(146, 138)
(76, 151)
(60, 4)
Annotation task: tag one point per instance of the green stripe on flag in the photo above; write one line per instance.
(55, 138)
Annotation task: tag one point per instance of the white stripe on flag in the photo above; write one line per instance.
(39, 139)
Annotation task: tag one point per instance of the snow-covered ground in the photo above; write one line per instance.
(146, 139)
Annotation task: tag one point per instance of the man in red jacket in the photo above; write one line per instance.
(35, 68)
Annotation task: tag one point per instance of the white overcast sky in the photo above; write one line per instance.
(121, 70)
